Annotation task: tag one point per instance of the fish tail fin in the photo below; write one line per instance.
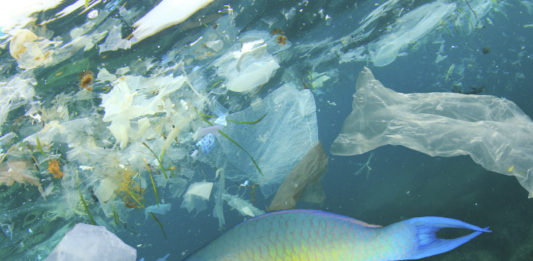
(428, 242)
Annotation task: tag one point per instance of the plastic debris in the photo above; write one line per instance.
(493, 131)
(29, 50)
(303, 182)
(114, 146)
(287, 132)
(157, 209)
(196, 196)
(202, 132)
(409, 28)
(244, 207)
(91, 243)
(18, 171)
(114, 40)
(250, 66)
(207, 143)
(19, 13)
(127, 101)
(167, 13)
(218, 210)
(221, 113)
(14, 93)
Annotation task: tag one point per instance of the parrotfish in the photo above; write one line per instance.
(317, 235)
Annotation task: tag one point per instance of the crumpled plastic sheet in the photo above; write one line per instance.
(493, 131)
(277, 142)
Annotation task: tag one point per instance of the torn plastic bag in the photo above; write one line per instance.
(287, 132)
(91, 243)
(493, 131)
(303, 182)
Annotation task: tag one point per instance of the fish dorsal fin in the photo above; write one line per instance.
(362, 223)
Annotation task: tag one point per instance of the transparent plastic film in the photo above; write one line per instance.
(493, 131)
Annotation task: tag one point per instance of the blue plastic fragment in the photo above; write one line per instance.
(207, 143)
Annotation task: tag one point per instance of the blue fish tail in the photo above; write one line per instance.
(428, 242)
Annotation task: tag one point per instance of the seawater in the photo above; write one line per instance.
(493, 54)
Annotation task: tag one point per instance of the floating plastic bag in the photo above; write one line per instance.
(303, 182)
(493, 131)
(287, 132)
(91, 243)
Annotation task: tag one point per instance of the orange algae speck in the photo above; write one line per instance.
(86, 79)
(53, 168)
(281, 39)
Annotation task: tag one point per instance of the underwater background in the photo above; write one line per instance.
(50, 116)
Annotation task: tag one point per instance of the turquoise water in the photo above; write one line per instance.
(471, 46)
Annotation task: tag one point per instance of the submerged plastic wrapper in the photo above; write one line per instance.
(196, 196)
(91, 243)
(288, 131)
(303, 182)
(493, 131)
